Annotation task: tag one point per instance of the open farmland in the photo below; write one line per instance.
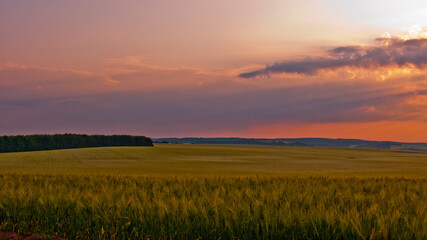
(176, 159)
(215, 191)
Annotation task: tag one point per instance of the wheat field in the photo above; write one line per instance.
(215, 192)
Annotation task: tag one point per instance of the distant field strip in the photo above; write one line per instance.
(218, 160)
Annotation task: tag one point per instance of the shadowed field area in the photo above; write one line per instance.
(215, 192)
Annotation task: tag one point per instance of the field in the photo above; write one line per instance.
(224, 160)
(213, 191)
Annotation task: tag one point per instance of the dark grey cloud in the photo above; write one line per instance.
(393, 51)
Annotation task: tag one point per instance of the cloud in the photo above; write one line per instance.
(188, 112)
(163, 101)
(393, 52)
(131, 73)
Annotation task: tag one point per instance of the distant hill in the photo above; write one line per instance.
(306, 142)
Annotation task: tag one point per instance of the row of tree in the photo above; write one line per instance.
(63, 141)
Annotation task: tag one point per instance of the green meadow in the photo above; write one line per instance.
(215, 192)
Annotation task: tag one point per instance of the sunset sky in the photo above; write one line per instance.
(224, 68)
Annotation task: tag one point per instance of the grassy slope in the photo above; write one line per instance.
(165, 159)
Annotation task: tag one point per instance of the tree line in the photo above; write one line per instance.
(23, 143)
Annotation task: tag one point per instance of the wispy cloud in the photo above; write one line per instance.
(24, 81)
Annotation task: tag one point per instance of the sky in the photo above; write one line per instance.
(191, 68)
